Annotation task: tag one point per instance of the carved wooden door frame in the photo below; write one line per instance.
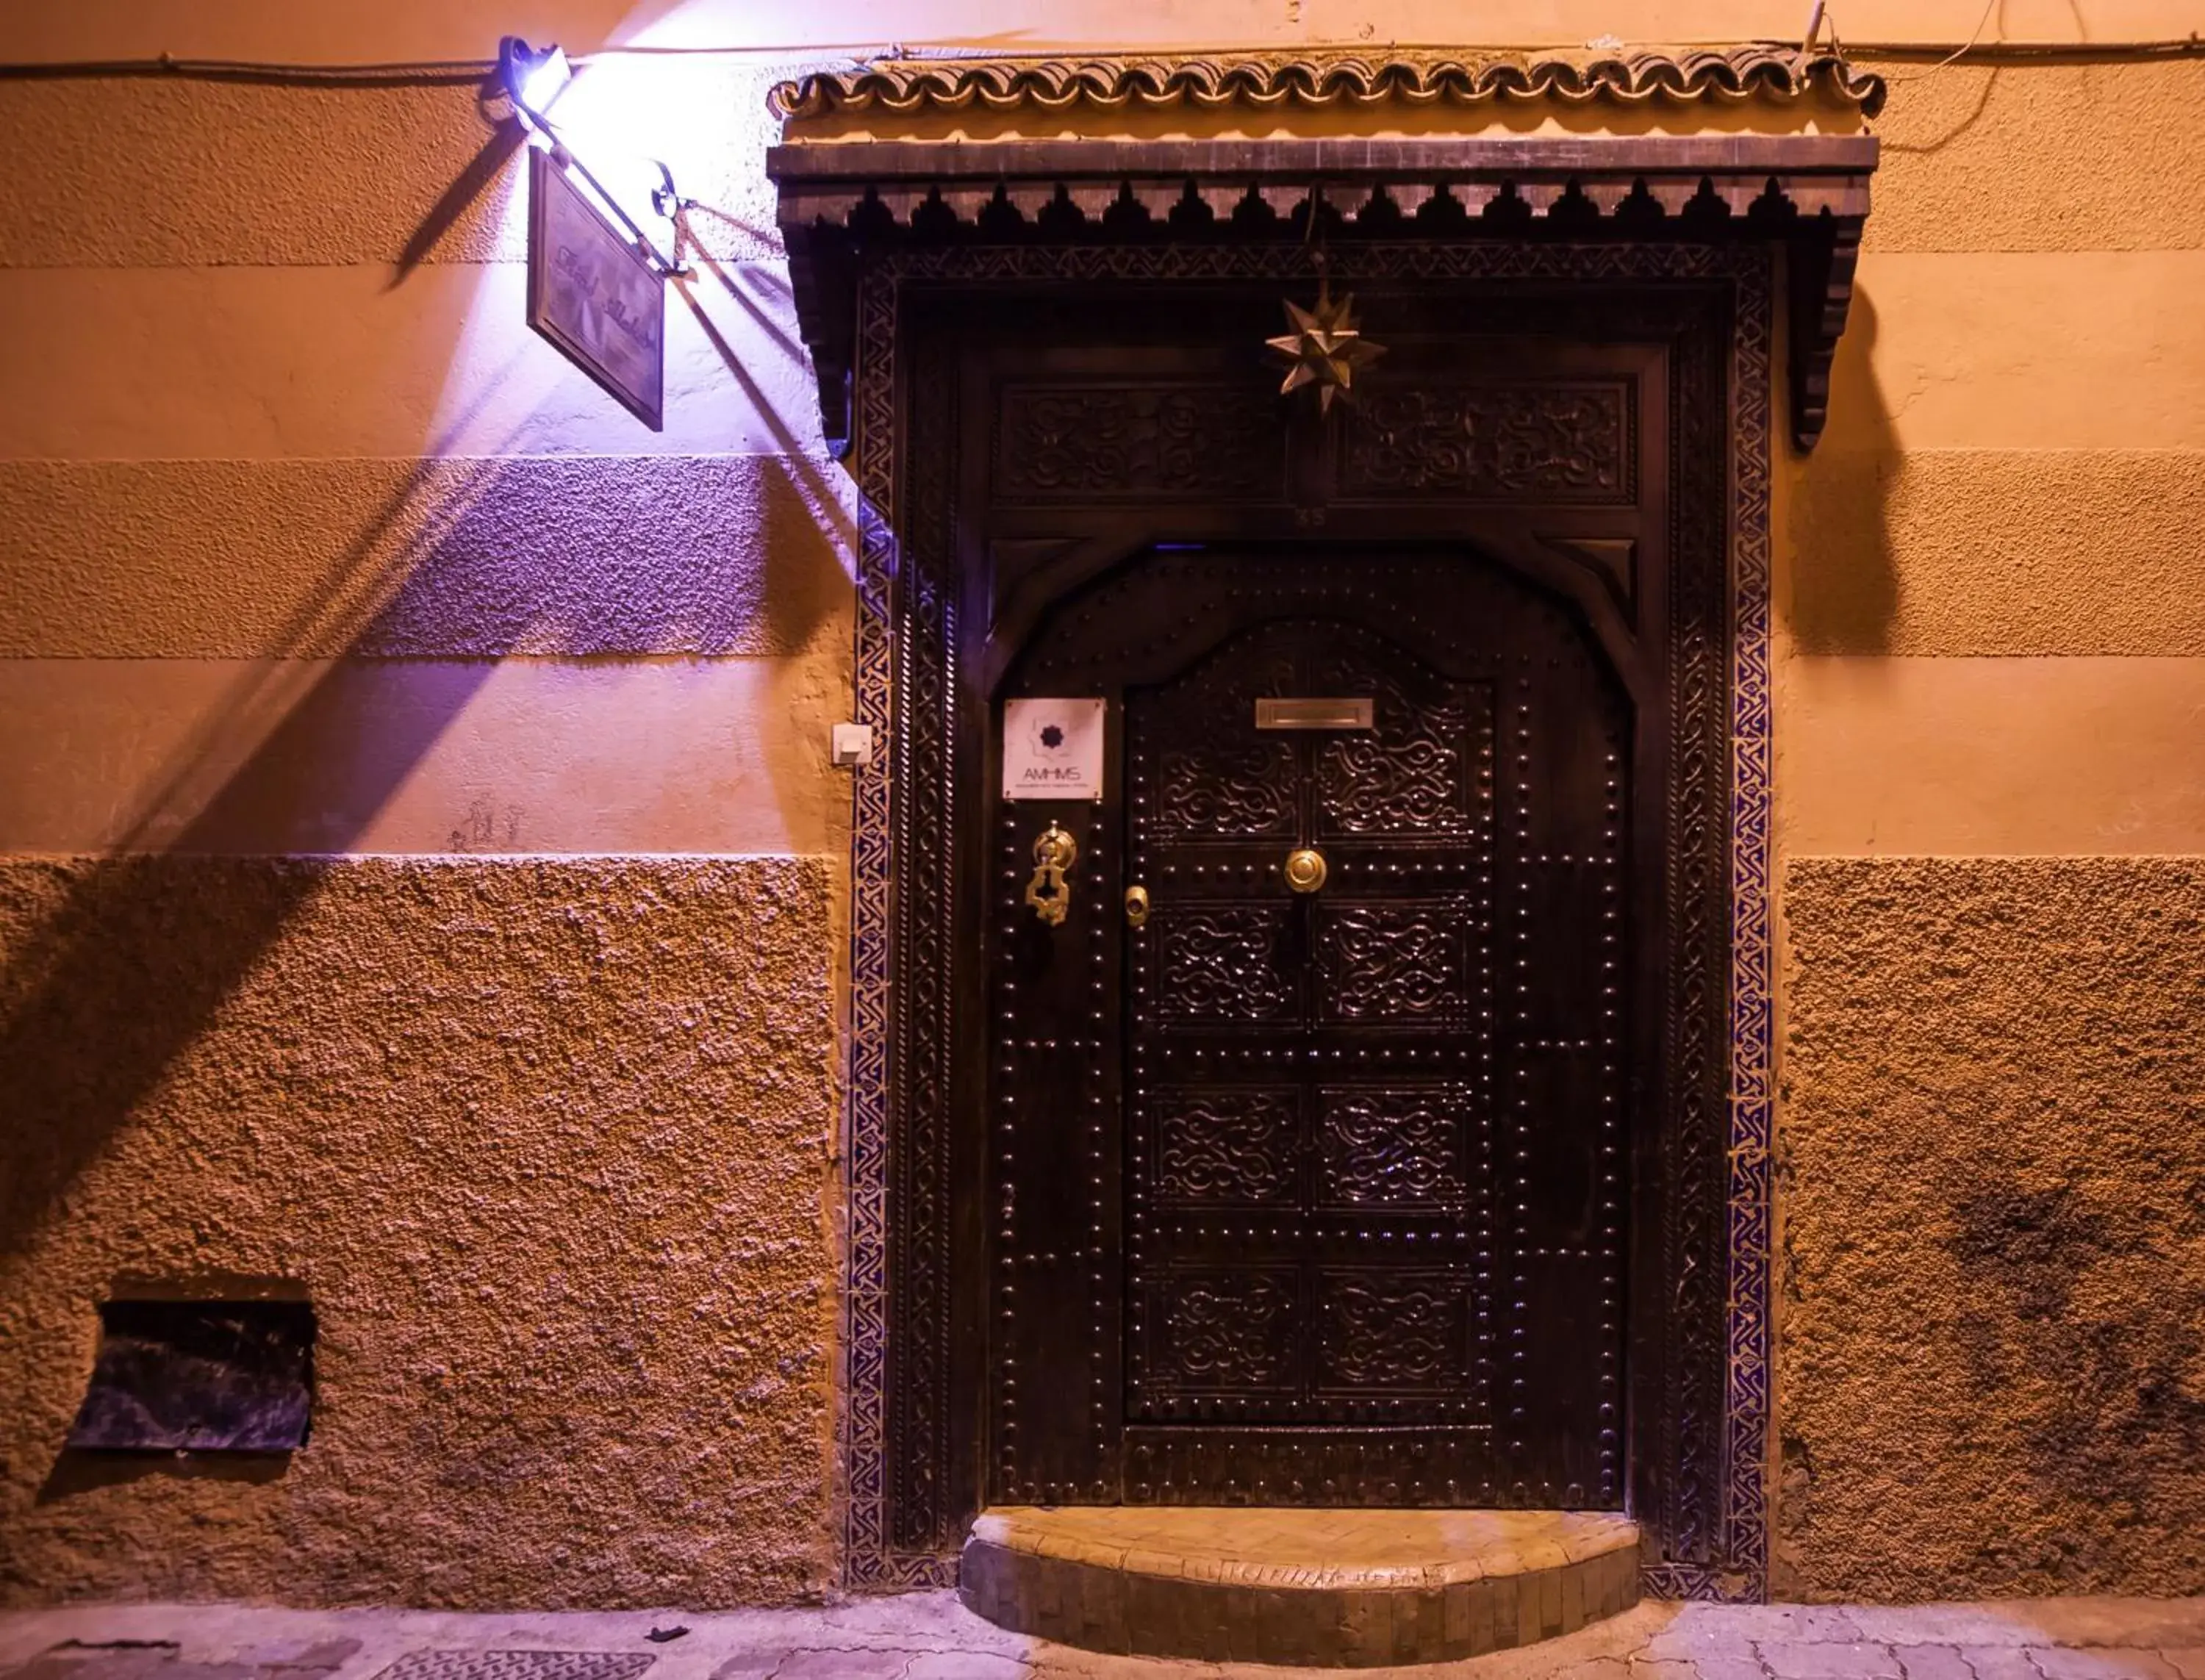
(909, 1402)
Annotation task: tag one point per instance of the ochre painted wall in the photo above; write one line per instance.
(1994, 1257)
(1991, 1067)
(307, 546)
(1990, 766)
(540, 1138)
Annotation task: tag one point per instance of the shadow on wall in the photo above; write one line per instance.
(85, 1032)
(466, 560)
(498, 151)
(822, 486)
(2074, 1323)
(1991, 1365)
(1843, 596)
(1843, 592)
(81, 1471)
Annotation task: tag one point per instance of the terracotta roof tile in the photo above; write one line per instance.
(1769, 74)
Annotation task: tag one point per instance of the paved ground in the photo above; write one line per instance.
(930, 1636)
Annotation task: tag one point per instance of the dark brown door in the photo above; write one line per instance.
(1351, 1056)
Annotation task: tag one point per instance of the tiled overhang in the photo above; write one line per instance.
(847, 198)
(1273, 82)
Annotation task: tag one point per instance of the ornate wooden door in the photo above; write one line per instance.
(1307, 1135)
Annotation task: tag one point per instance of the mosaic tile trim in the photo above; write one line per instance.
(1747, 1400)
(871, 1561)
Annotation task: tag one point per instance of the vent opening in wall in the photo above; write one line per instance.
(200, 1376)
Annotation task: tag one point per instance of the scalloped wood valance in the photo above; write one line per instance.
(851, 186)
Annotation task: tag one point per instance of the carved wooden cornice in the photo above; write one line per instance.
(845, 200)
(1259, 81)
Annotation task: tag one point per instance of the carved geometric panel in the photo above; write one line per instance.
(1214, 790)
(1422, 771)
(1393, 1147)
(1223, 1329)
(1547, 442)
(1225, 1146)
(1222, 964)
(1393, 1330)
(1224, 782)
(1089, 443)
(1399, 963)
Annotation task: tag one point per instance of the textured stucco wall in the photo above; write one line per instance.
(1992, 1369)
(547, 1143)
(533, 554)
(2025, 551)
(230, 172)
(308, 545)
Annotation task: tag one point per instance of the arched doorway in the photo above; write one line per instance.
(1031, 425)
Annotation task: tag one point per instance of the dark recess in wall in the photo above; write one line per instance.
(200, 1376)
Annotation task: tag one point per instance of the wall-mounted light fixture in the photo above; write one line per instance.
(533, 78)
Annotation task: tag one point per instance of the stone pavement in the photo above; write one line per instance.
(930, 1636)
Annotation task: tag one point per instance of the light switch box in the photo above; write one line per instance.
(852, 745)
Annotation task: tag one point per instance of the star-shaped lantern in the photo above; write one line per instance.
(1325, 347)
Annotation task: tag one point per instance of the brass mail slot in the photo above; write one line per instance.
(1313, 713)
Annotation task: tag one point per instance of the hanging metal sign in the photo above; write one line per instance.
(594, 294)
(1053, 749)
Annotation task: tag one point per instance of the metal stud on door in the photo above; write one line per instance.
(1298, 1158)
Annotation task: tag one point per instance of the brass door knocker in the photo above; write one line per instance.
(1050, 893)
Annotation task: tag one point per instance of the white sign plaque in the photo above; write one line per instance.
(1053, 749)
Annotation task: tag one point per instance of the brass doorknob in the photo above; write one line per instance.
(1306, 870)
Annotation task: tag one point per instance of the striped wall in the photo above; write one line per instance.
(421, 871)
(309, 550)
(1991, 787)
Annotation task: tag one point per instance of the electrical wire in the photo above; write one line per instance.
(1958, 53)
(454, 72)
(2027, 52)
(468, 71)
